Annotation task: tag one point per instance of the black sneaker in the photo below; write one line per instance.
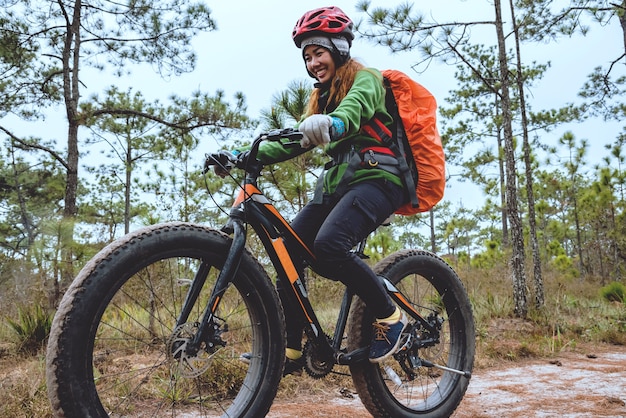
(291, 366)
(386, 339)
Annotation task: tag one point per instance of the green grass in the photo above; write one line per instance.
(576, 313)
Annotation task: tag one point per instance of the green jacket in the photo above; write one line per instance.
(365, 99)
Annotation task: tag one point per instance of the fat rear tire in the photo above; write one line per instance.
(431, 285)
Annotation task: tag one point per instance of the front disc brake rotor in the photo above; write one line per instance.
(183, 363)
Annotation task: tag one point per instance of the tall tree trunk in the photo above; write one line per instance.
(505, 223)
(532, 218)
(579, 242)
(621, 12)
(127, 184)
(71, 57)
(517, 237)
(24, 214)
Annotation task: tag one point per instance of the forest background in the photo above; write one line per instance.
(106, 117)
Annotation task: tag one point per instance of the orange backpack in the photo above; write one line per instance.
(415, 140)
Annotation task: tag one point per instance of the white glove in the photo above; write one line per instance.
(315, 130)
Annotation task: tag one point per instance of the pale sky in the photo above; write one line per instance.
(252, 52)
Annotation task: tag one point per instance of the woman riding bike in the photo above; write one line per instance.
(155, 322)
(346, 95)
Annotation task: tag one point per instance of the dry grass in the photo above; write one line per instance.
(574, 314)
(22, 387)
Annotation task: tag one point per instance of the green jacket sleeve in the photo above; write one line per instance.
(275, 152)
(364, 100)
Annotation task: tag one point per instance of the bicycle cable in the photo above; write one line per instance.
(211, 195)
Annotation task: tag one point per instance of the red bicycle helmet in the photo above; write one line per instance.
(323, 21)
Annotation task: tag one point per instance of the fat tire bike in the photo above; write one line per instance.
(156, 322)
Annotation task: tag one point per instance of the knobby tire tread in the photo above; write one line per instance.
(65, 387)
(366, 376)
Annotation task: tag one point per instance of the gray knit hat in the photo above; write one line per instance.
(335, 44)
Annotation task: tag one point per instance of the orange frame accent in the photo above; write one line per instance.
(248, 191)
(290, 269)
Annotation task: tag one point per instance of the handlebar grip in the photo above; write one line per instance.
(223, 159)
(227, 160)
(278, 134)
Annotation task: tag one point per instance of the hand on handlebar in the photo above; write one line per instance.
(223, 161)
(315, 130)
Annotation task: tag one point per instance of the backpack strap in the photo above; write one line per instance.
(377, 158)
(395, 141)
(380, 158)
(354, 162)
(339, 159)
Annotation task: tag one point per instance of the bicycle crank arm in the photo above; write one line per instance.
(360, 354)
(427, 363)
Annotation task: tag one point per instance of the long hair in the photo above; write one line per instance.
(341, 83)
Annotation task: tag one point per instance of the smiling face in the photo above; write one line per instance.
(320, 63)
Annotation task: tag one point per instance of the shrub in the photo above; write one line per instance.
(32, 328)
(614, 292)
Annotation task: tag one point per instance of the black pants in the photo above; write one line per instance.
(332, 229)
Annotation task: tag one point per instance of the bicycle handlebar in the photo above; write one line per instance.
(278, 134)
(227, 160)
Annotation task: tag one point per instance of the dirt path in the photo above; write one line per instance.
(572, 385)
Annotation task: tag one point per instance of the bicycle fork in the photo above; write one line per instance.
(209, 330)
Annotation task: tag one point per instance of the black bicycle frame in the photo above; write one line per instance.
(289, 255)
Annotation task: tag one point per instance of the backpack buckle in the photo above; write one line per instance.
(372, 159)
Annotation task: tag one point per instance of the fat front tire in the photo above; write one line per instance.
(432, 288)
(115, 349)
